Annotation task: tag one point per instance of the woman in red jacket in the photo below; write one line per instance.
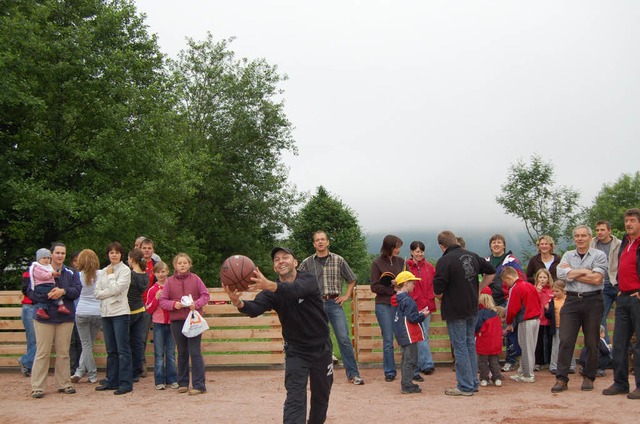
(424, 297)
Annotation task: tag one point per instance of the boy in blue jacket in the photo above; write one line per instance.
(407, 328)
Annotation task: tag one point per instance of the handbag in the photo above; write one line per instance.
(194, 325)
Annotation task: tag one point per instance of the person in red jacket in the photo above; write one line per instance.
(425, 297)
(523, 310)
(488, 341)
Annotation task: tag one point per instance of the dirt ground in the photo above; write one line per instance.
(256, 396)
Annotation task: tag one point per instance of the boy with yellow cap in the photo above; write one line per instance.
(407, 329)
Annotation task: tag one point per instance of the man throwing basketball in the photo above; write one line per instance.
(296, 298)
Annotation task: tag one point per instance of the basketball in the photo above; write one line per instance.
(236, 272)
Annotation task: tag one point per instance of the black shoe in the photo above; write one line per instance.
(410, 390)
(122, 391)
(428, 371)
(103, 382)
(136, 379)
(614, 390)
(418, 377)
(104, 387)
(389, 378)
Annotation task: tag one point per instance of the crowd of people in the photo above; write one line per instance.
(121, 300)
(487, 304)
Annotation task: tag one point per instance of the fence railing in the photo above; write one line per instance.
(237, 340)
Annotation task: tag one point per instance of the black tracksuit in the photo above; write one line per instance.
(305, 330)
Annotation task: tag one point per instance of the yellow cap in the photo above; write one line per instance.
(405, 276)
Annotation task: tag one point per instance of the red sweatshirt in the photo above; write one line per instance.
(524, 302)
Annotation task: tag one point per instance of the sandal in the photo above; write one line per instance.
(69, 390)
(37, 394)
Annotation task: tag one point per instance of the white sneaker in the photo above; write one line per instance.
(523, 379)
(498, 383)
(484, 383)
(159, 386)
(515, 377)
(508, 367)
(357, 380)
(175, 385)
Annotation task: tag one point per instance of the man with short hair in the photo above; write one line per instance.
(146, 245)
(138, 245)
(627, 310)
(583, 269)
(330, 269)
(296, 298)
(456, 285)
(610, 245)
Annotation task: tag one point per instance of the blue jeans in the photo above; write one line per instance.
(116, 340)
(339, 324)
(385, 314)
(28, 315)
(425, 359)
(463, 339)
(627, 322)
(164, 354)
(609, 295)
(138, 325)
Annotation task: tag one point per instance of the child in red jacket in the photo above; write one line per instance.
(524, 311)
(488, 341)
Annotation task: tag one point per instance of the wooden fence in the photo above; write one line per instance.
(237, 340)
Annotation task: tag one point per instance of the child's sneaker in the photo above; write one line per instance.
(508, 366)
(64, 310)
(523, 379)
(498, 383)
(484, 383)
(42, 314)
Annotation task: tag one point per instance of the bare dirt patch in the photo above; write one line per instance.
(241, 396)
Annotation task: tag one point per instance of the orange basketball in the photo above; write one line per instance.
(236, 272)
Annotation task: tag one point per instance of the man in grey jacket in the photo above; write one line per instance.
(610, 245)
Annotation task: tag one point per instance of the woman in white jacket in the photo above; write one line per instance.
(111, 289)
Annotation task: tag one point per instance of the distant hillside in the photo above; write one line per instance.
(477, 241)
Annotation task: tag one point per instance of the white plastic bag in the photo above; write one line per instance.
(194, 325)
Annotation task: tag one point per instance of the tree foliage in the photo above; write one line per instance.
(80, 103)
(103, 139)
(234, 133)
(324, 212)
(613, 200)
(531, 195)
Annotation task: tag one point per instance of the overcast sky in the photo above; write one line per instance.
(412, 111)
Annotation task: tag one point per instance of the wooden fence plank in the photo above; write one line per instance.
(235, 339)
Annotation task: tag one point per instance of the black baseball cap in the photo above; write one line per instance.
(283, 249)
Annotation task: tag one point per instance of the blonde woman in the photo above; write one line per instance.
(88, 319)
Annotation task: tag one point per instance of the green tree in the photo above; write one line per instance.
(85, 128)
(613, 200)
(329, 214)
(233, 134)
(531, 195)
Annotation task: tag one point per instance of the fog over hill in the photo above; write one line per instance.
(477, 241)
